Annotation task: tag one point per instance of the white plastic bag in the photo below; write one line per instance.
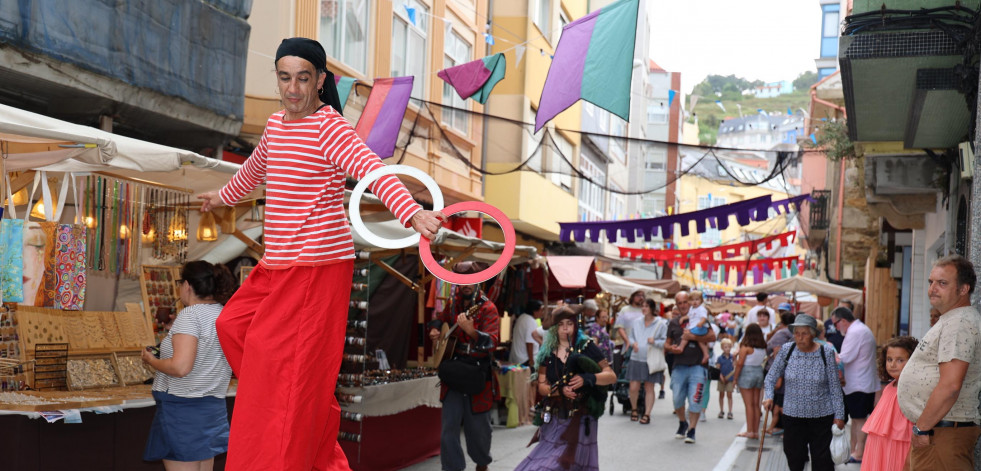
(839, 445)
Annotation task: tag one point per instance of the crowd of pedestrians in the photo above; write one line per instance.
(811, 377)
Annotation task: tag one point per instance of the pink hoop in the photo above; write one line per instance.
(460, 279)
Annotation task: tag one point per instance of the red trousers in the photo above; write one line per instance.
(283, 335)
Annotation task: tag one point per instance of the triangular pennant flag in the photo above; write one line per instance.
(692, 100)
(381, 120)
(489, 39)
(344, 86)
(412, 14)
(477, 78)
(519, 53)
(717, 102)
(593, 61)
(671, 94)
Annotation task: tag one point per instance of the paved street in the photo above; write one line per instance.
(626, 445)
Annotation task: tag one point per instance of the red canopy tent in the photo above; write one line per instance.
(568, 278)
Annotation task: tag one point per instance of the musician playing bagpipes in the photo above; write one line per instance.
(573, 375)
(468, 385)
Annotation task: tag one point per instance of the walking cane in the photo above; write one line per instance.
(759, 453)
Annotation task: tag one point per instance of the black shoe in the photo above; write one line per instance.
(682, 428)
(690, 437)
(661, 395)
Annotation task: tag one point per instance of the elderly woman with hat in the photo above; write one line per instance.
(572, 373)
(813, 399)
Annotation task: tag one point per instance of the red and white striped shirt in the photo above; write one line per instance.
(303, 163)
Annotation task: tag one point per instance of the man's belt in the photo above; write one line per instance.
(947, 423)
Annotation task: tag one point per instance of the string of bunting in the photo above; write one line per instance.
(746, 211)
(723, 251)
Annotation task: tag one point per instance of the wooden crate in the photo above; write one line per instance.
(89, 371)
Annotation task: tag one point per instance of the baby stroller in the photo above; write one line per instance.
(621, 389)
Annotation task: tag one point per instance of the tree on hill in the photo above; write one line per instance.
(730, 86)
(805, 80)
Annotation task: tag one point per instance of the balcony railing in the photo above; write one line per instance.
(819, 209)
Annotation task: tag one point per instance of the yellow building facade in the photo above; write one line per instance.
(372, 39)
(535, 200)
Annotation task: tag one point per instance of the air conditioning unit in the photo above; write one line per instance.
(965, 151)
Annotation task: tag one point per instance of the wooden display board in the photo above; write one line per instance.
(85, 332)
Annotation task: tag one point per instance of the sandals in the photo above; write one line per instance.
(722, 415)
(729, 416)
(634, 416)
(645, 419)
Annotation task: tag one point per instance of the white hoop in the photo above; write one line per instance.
(354, 207)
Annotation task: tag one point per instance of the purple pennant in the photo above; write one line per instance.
(745, 211)
(757, 276)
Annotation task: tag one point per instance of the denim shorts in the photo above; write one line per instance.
(689, 382)
(751, 377)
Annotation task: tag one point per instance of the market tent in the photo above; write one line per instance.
(622, 287)
(568, 277)
(670, 286)
(798, 283)
(446, 240)
(90, 149)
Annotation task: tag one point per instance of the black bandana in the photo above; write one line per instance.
(312, 52)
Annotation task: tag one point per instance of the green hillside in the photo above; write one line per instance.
(710, 115)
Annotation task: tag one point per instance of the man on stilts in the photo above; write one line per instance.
(283, 331)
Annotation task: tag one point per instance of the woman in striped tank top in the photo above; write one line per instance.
(190, 426)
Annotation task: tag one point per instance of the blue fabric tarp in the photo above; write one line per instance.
(185, 48)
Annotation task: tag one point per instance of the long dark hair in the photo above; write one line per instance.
(906, 343)
(209, 280)
(753, 337)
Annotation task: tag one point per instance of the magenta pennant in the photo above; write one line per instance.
(477, 78)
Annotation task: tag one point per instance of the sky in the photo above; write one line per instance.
(769, 40)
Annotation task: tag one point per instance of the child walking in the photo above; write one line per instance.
(727, 374)
(888, 430)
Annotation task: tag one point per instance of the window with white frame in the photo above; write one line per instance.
(344, 31)
(651, 207)
(563, 20)
(657, 113)
(592, 197)
(618, 203)
(543, 16)
(409, 43)
(533, 152)
(711, 237)
(655, 164)
(456, 51)
(561, 171)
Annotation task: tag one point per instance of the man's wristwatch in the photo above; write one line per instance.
(918, 432)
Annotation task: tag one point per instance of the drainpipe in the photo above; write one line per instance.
(974, 234)
(841, 205)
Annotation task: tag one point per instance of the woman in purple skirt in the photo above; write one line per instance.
(572, 375)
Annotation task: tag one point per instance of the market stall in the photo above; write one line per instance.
(95, 228)
(393, 297)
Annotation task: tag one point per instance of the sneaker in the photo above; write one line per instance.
(682, 428)
(661, 395)
(690, 437)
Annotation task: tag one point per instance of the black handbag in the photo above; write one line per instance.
(467, 375)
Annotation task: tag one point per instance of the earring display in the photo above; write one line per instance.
(160, 295)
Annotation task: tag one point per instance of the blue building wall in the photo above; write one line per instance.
(191, 49)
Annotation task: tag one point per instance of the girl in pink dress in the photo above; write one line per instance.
(888, 430)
